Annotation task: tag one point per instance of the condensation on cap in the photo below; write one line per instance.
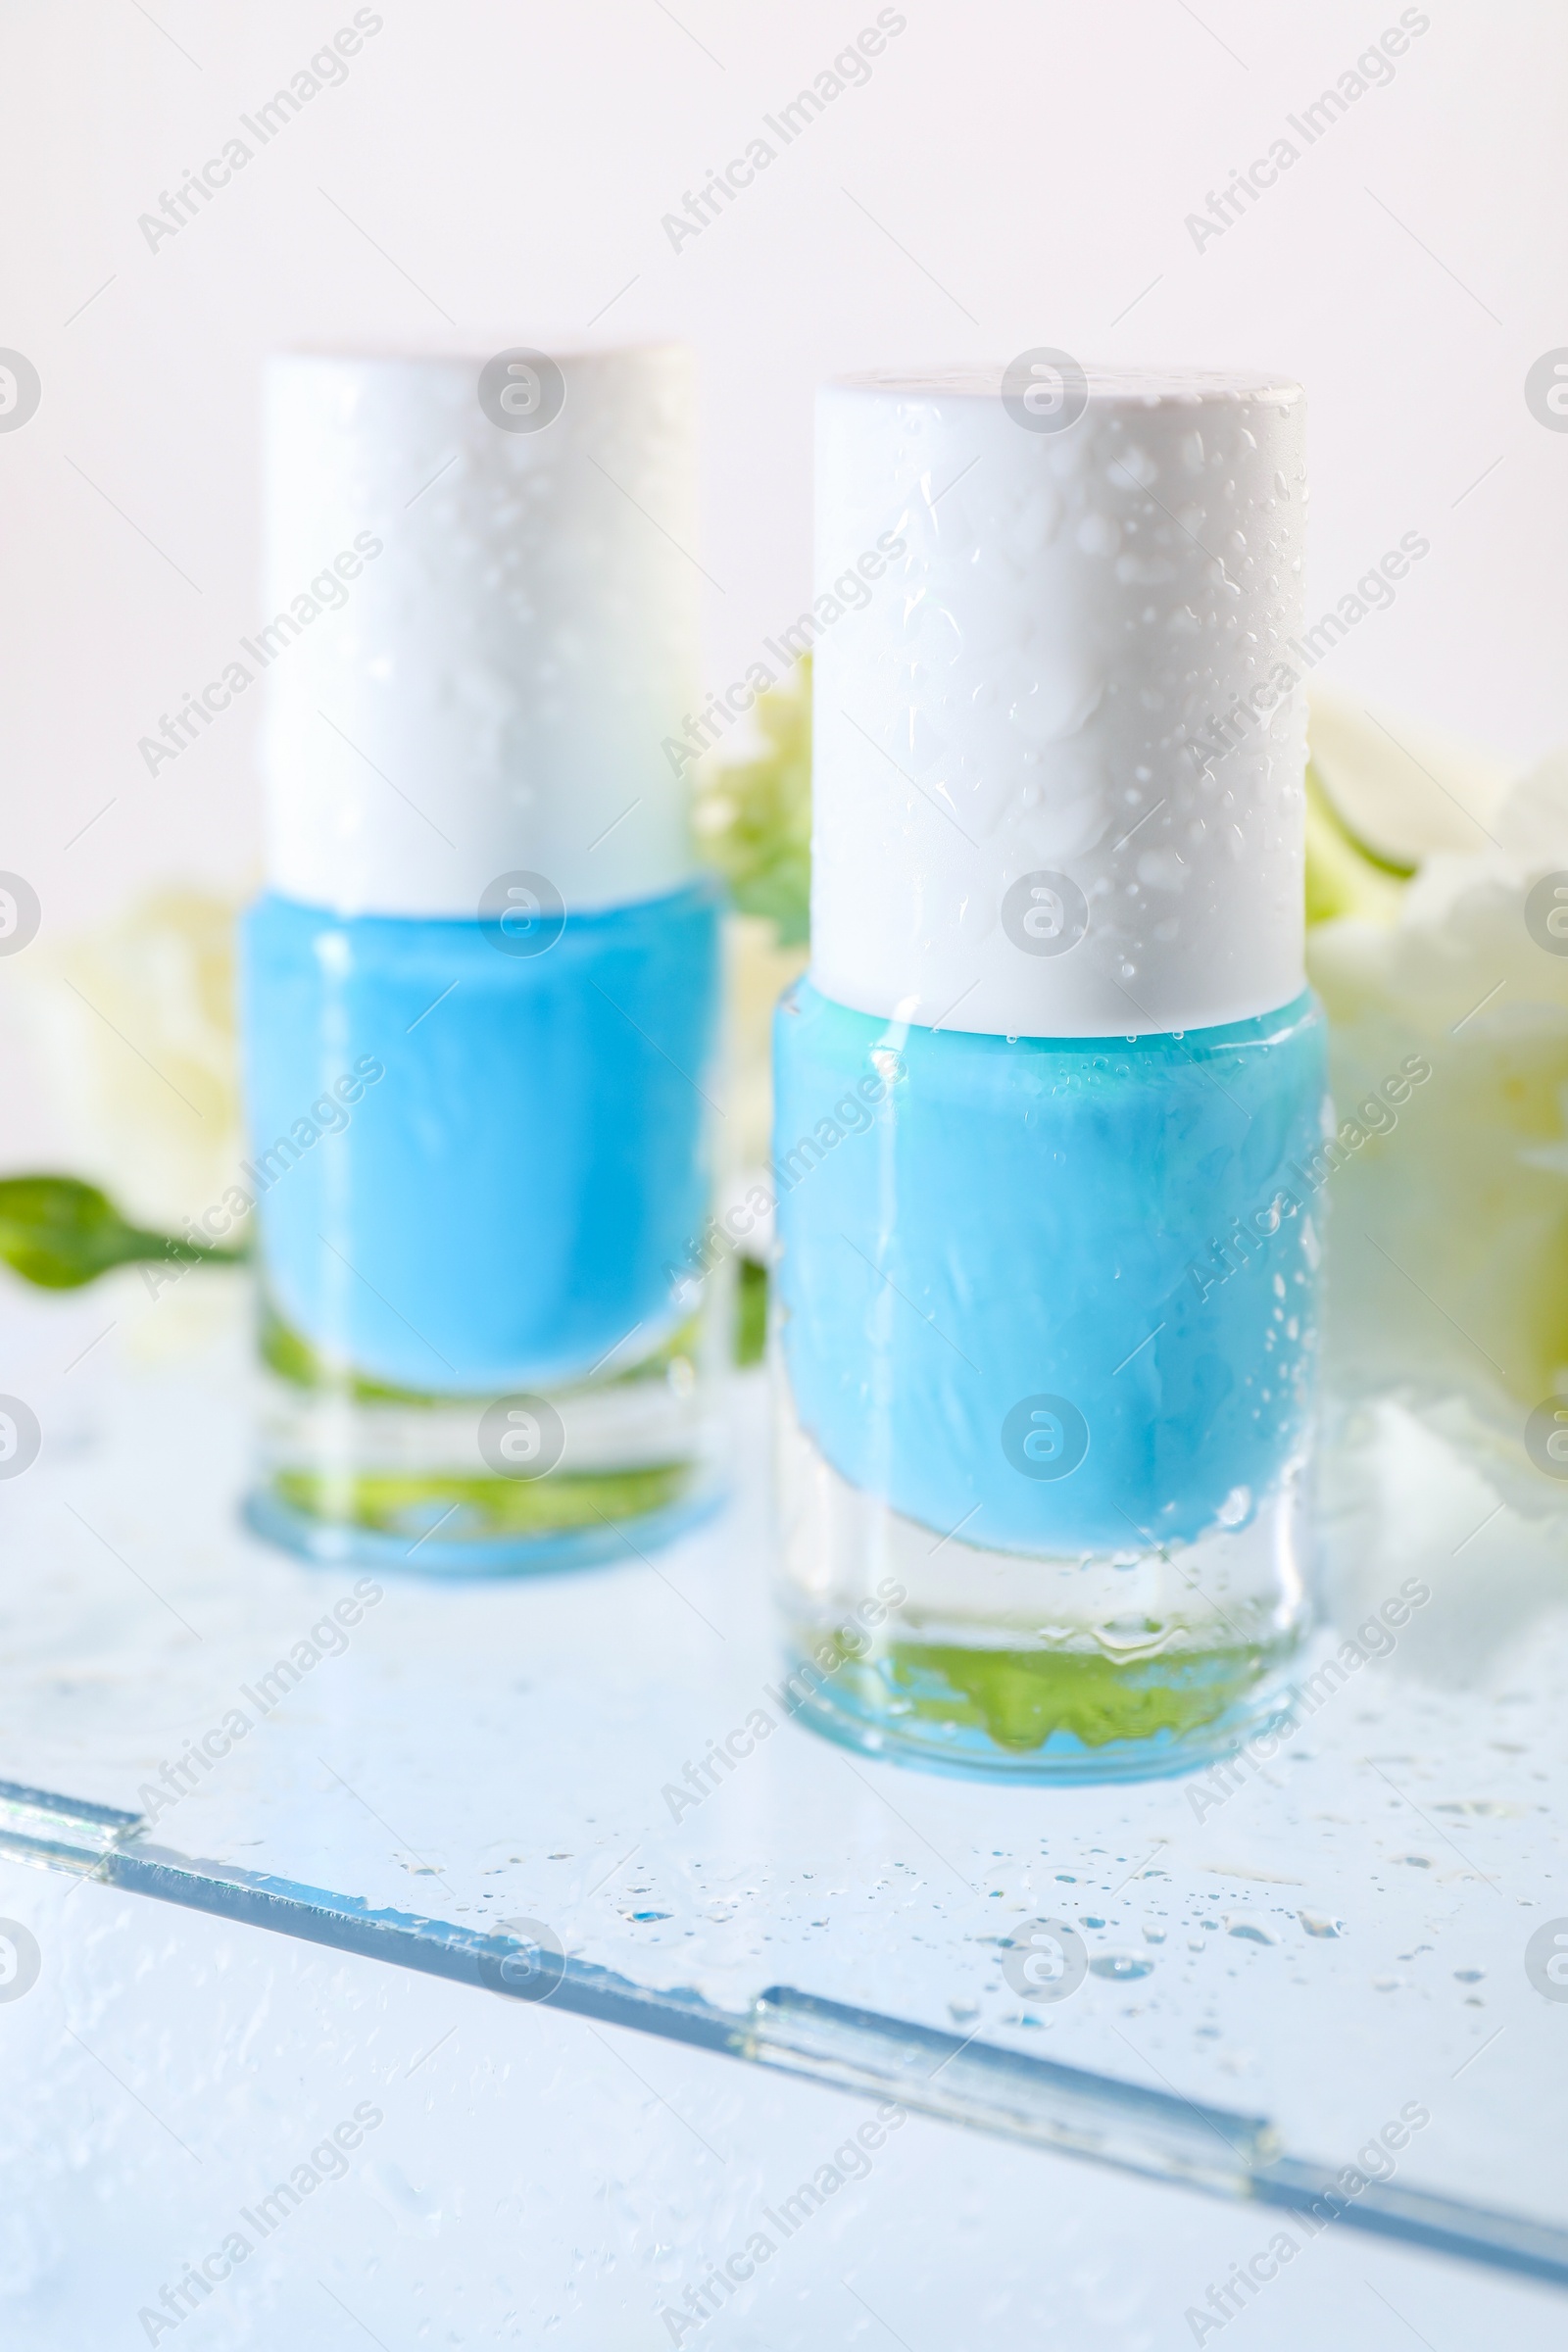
(1060, 717)
(492, 690)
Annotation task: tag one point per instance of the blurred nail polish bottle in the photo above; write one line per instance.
(479, 990)
(1049, 1102)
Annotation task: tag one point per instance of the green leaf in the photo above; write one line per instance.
(751, 1315)
(754, 813)
(1343, 875)
(60, 1233)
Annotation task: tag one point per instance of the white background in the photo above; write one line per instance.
(1013, 174)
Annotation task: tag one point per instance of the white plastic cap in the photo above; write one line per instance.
(507, 629)
(1059, 721)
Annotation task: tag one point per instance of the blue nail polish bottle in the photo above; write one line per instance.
(481, 990)
(1049, 1105)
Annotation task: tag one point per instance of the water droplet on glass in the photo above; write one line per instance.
(1236, 1506)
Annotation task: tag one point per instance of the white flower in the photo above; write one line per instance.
(1447, 1253)
(1404, 792)
(136, 1025)
(758, 972)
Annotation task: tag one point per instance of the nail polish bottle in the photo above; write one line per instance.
(479, 990)
(1049, 1096)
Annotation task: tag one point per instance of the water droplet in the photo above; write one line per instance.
(1251, 1930)
(1121, 1967)
(1316, 1924)
(1099, 534)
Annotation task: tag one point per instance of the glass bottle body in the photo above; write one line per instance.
(1044, 1341)
(481, 1152)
